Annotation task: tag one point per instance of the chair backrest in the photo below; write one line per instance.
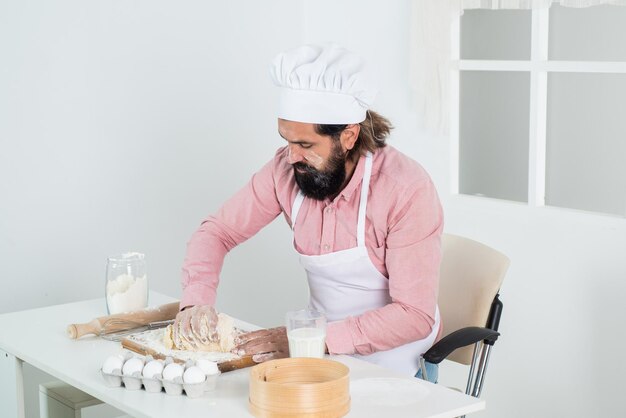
(471, 275)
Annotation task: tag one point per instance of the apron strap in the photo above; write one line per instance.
(365, 188)
(297, 203)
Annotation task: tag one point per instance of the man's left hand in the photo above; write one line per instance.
(263, 345)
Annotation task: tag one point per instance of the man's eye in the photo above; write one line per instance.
(305, 146)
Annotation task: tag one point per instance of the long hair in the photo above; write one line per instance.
(372, 135)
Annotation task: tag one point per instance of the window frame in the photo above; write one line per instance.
(539, 66)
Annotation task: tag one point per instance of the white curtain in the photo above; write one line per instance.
(430, 49)
(430, 60)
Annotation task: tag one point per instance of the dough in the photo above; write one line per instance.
(225, 331)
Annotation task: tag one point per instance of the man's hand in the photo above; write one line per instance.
(264, 344)
(195, 326)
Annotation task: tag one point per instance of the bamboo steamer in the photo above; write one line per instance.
(299, 387)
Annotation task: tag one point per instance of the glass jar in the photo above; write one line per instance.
(126, 287)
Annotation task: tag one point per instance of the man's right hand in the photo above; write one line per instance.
(263, 344)
(195, 326)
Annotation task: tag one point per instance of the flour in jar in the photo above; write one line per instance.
(127, 293)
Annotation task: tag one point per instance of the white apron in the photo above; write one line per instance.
(346, 283)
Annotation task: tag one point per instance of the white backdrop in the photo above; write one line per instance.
(122, 124)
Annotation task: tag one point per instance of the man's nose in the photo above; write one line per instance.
(295, 154)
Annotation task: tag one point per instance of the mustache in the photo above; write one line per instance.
(305, 167)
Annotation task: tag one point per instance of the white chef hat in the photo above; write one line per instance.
(323, 84)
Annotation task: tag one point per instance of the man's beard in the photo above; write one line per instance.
(318, 184)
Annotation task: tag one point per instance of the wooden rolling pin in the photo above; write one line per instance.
(225, 366)
(123, 321)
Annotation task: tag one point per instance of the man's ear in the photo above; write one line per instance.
(350, 135)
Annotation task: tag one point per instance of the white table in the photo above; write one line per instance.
(38, 337)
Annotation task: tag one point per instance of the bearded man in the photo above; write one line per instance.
(366, 220)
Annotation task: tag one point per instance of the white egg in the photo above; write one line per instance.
(132, 366)
(208, 367)
(194, 375)
(153, 369)
(172, 371)
(112, 363)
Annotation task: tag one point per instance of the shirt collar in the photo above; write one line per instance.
(355, 181)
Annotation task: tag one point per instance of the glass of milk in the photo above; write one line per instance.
(306, 331)
(126, 286)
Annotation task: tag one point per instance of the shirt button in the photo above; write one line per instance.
(329, 210)
(326, 247)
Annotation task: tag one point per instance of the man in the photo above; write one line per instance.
(366, 220)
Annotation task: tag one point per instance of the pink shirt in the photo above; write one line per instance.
(404, 221)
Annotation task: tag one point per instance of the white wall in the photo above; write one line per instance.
(123, 123)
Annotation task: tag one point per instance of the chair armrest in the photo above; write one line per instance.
(457, 339)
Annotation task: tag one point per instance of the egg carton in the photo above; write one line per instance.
(156, 384)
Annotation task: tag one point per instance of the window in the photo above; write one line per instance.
(542, 107)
